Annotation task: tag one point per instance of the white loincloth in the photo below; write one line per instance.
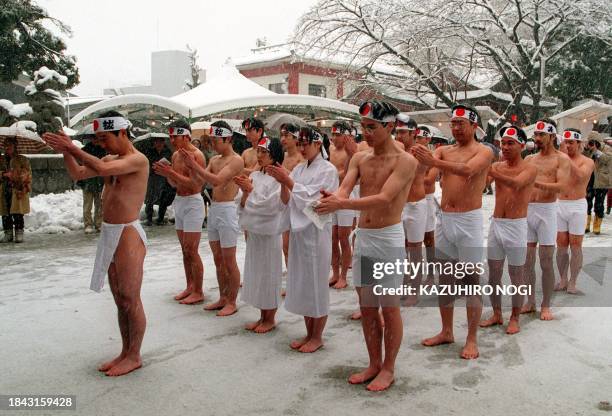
(343, 218)
(571, 216)
(459, 236)
(414, 219)
(378, 245)
(263, 271)
(188, 213)
(110, 235)
(431, 213)
(223, 223)
(508, 238)
(542, 223)
(309, 266)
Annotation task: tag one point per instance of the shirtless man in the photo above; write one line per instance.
(223, 215)
(121, 248)
(514, 179)
(429, 182)
(289, 134)
(552, 167)
(342, 220)
(414, 215)
(254, 130)
(385, 175)
(571, 221)
(459, 236)
(188, 208)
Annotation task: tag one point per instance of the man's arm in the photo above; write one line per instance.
(350, 178)
(563, 177)
(233, 168)
(77, 172)
(177, 179)
(525, 178)
(401, 177)
(479, 162)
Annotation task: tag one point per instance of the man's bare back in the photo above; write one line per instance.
(249, 156)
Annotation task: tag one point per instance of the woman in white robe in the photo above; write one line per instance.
(309, 262)
(261, 212)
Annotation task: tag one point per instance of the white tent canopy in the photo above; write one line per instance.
(582, 117)
(231, 91)
(228, 86)
(120, 100)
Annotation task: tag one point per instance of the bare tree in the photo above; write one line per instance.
(433, 50)
(195, 69)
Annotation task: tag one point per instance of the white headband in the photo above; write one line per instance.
(219, 132)
(572, 135)
(264, 143)
(469, 115)
(337, 130)
(544, 127)
(512, 133)
(402, 126)
(179, 131)
(423, 133)
(368, 112)
(110, 124)
(296, 134)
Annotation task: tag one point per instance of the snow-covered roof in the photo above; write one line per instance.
(502, 96)
(119, 100)
(272, 101)
(229, 85)
(290, 51)
(581, 117)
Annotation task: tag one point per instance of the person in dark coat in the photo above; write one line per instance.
(92, 189)
(159, 191)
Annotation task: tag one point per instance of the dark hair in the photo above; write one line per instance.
(407, 120)
(550, 121)
(343, 126)
(325, 145)
(113, 113)
(380, 109)
(425, 128)
(181, 124)
(574, 130)
(312, 134)
(253, 123)
(290, 127)
(276, 151)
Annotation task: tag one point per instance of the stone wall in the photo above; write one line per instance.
(49, 174)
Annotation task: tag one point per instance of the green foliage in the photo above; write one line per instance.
(582, 70)
(26, 44)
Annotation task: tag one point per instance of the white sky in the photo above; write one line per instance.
(113, 39)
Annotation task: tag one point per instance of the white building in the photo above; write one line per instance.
(169, 71)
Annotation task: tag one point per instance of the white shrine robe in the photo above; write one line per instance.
(261, 217)
(309, 262)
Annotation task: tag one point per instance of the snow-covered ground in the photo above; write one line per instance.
(55, 331)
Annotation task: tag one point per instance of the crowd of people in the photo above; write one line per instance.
(325, 210)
